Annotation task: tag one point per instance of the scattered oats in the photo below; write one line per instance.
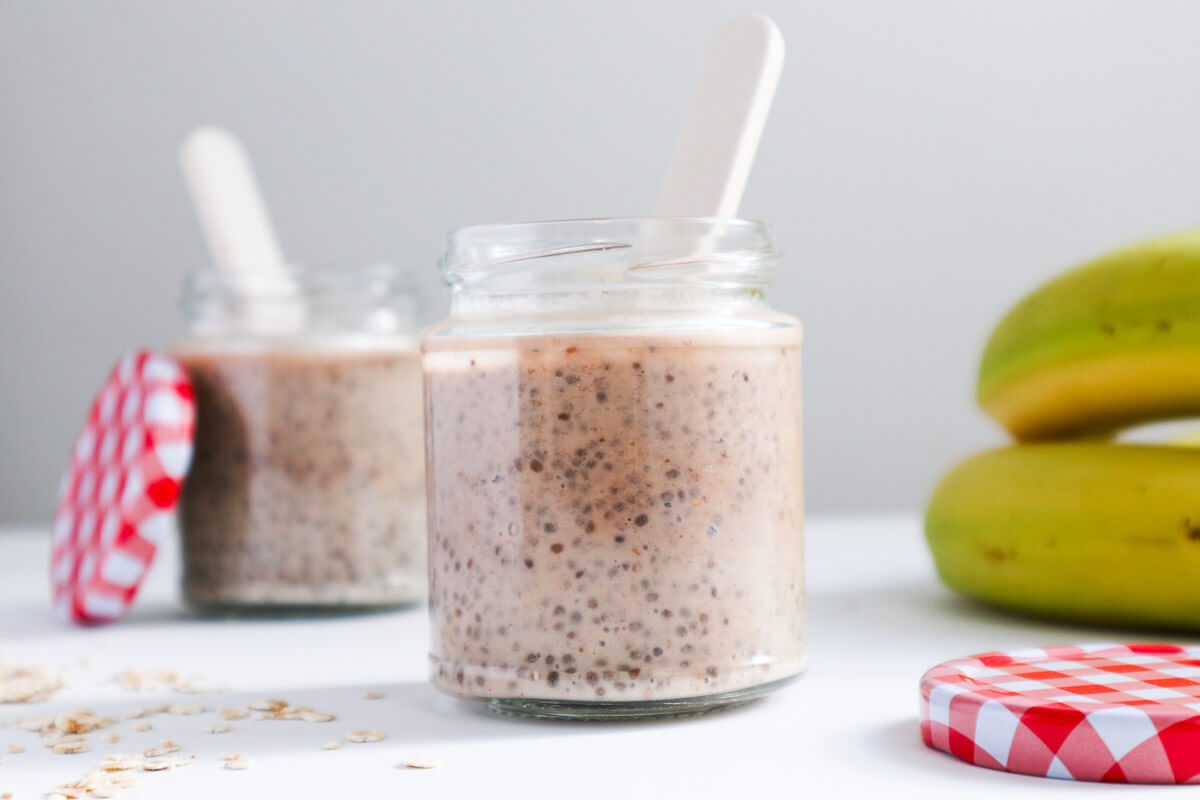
(218, 728)
(81, 721)
(56, 796)
(182, 762)
(27, 683)
(158, 764)
(136, 680)
(191, 687)
(142, 726)
(64, 734)
(120, 763)
(39, 723)
(113, 738)
(332, 746)
(280, 709)
(268, 705)
(362, 737)
(232, 713)
(52, 738)
(239, 763)
(163, 748)
(15, 748)
(95, 784)
(140, 713)
(68, 725)
(130, 679)
(373, 695)
(156, 680)
(231, 756)
(308, 715)
(185, 710)
(420, 762)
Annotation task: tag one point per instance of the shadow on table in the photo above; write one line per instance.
(410, 714)
(37, 618)
(900, 743)
(33, 620)
(891, 615)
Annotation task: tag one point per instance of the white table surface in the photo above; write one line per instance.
(878, 618)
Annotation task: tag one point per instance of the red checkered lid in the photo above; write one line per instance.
(117, 498)
(1121, 713)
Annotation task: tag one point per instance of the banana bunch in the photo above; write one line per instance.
(1066, 523)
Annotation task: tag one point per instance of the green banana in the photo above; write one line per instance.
(1109, 344)
(1079, 531)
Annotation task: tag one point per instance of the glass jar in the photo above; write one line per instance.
(306, 490)
(614, 469)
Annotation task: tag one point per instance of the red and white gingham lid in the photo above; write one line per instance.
(1094, 712)
(117, 498)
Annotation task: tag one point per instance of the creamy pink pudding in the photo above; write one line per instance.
(615, 517)
(307, 484)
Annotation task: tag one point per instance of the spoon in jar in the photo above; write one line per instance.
(238, 230)
(725, 121)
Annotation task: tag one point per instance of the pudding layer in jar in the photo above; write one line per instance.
(307, 485)
(615, 517)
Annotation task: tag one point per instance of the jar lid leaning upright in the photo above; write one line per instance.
(119, 491)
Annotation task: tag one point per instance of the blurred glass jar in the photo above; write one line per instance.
(306, 489)
(615, 499)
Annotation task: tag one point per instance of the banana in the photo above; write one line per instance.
(1106, 345)
(1189, 439)
(1080, 531)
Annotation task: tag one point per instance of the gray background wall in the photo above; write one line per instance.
(926, 163)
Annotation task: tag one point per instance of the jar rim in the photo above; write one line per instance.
(495, 227)
(374, 299)
(376, 278)
(643, 250)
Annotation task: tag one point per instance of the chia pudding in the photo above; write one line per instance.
(307, 483)
(615, 517)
